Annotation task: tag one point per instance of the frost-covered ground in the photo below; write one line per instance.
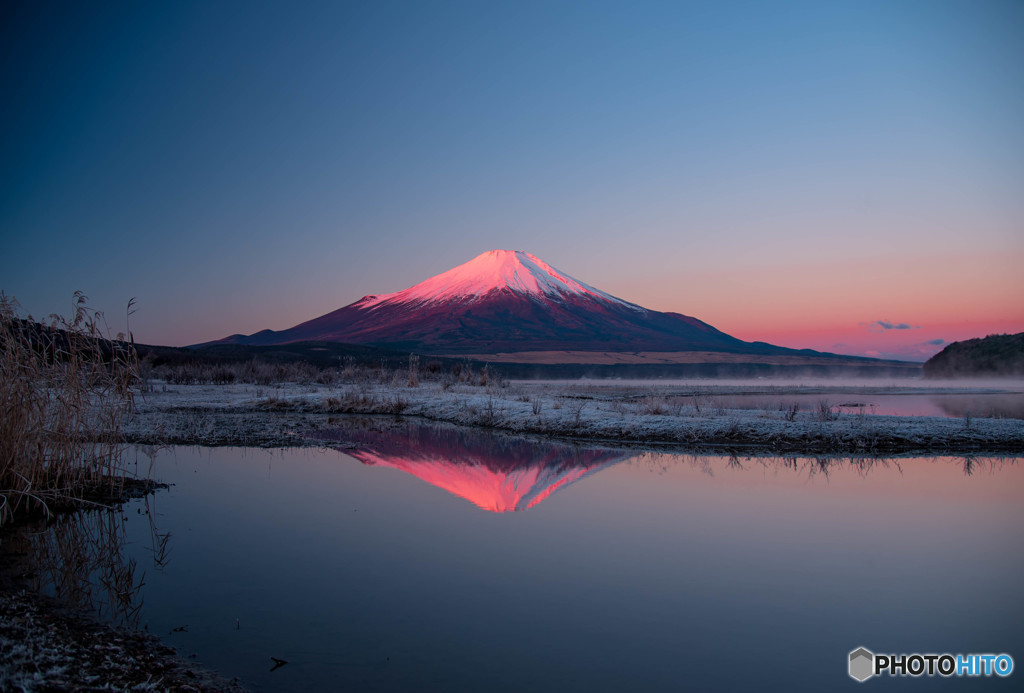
(686, 415)
(45, 648)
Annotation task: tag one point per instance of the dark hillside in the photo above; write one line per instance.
(163, 361)
(996, 355)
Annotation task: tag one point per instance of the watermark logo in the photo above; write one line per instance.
(863, 664)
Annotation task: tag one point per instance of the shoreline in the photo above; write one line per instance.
(293, 414)
(47, 644)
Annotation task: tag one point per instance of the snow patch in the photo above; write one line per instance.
(495, 270)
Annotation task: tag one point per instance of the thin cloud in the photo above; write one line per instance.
(935, 342)
(884, 325)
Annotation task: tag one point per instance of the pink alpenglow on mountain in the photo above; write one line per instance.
(494, 271)
(507, 301)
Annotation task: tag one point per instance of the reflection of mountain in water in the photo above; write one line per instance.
(496, 473)
(500, 473)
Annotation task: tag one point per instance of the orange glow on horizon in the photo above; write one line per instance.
(831, 306)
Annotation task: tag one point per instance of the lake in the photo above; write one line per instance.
(436, 559)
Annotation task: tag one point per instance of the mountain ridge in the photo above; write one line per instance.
(505, 301)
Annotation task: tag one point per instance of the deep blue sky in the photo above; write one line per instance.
(239, 166)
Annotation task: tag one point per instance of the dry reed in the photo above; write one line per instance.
(65, 391)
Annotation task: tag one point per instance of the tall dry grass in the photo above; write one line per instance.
(65, 391)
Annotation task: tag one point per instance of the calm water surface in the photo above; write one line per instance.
(432, 560)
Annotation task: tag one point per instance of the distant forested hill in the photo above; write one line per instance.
(995, 355)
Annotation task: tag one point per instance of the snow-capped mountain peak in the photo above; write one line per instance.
(495, 270)
(504, 301)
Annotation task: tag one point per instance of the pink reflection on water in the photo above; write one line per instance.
(494, 473)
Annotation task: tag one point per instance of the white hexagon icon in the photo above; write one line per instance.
(862, 664)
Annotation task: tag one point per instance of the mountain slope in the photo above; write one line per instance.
(508, 301)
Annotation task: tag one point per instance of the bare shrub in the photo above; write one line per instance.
(653, 406)
(146, 375)
(275, 403)
(790, 412)
(396, 405)
(352, 400)
(193, 424)
(488, 417)
(575, 409)
(826, 412)
(414, 371)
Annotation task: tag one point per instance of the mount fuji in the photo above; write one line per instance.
(509, 301)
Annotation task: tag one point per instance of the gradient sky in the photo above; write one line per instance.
(846, 176)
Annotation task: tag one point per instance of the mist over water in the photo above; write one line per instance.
(997, 398)
(882, 383)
